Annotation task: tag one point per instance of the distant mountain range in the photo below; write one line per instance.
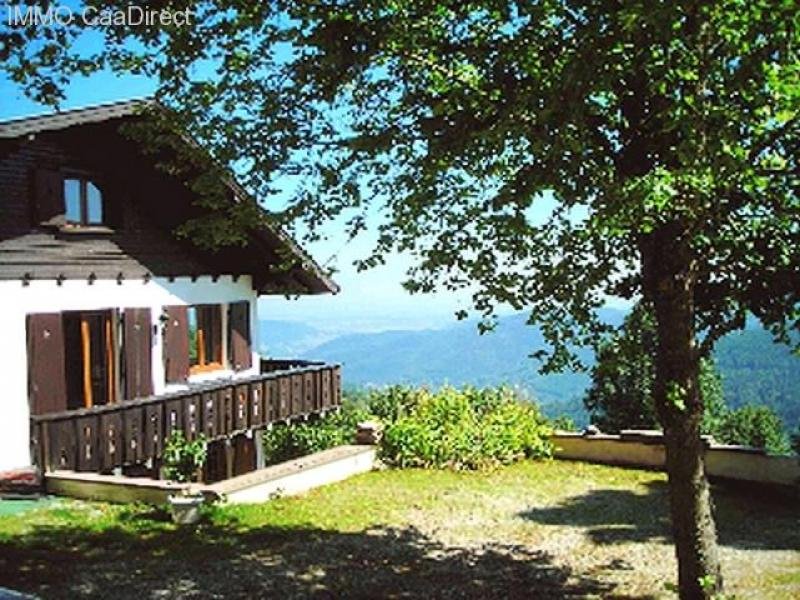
(753, 368)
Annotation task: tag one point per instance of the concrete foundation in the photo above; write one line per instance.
(296, 476)
(292, 477)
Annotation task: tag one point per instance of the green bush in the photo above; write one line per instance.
(756, 426)
(461, 429)
(563, 423)
(284, 442)
(182, 458)
(390, 403)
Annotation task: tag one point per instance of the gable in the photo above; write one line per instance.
(143, 205)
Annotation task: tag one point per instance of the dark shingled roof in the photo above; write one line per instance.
(307, 273)
(14, 128)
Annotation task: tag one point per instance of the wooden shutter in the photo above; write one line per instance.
(138, 343)
(49, 198)
(47, 382)
(239, 325)
(176, 344)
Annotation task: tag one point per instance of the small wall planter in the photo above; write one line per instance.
(185, 509)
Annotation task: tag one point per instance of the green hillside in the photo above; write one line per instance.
(753, 368)
(458, 355)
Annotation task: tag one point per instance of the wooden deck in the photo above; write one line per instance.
(130, 433)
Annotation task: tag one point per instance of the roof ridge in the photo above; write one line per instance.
(141, 100)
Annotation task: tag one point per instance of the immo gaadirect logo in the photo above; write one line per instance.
(56, 15)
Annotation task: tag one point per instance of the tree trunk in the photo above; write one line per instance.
(668, 270)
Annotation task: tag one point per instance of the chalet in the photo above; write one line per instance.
(115, 331)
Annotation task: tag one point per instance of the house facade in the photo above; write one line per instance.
(115, 331)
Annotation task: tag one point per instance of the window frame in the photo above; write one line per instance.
(203, 364)
(84, 178)
(92, 326)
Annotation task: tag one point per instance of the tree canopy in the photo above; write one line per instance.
(453, 121)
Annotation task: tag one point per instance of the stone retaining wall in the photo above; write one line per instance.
(646, 449)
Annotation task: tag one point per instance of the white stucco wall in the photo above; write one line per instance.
(18, 300)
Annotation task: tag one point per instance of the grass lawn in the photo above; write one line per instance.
(533, 530)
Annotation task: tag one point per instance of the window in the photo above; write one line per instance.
(81, 359)
(205, 338)
(83, 201)
(90, 350)
(194, 339)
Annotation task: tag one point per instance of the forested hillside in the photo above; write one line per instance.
(754, 369)
(757, 371)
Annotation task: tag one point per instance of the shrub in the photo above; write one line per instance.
(756, 426)
(183, 458)
(796, 440)
(390, 403)
(462, 429)
(563, 423)
(284, 442)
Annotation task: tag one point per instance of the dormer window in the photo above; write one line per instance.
(83, 201)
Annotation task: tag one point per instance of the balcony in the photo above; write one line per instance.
(132, 433)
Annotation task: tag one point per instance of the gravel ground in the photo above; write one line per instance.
(533, 530)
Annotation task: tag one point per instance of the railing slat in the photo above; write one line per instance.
(63, 445)
(210, 414)
(133, 427)
(271, 401)
(256, 403)
(111, 445)
(193, 416)
(336, 385)
(326, 389)
(284, 397)
(173, 416)
(297, 395)
(241, 417)
(153, 430)
(308, 393)
(88, 443)
(226, 411)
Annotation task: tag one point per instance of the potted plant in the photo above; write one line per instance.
(183, 460)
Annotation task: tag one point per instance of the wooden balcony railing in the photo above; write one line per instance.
(102, 438)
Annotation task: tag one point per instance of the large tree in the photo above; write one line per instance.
(665, 132)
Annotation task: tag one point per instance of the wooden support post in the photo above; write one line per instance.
(229, 458)
(86, 349)
(110, 371)
(200, 346)
(44, 443)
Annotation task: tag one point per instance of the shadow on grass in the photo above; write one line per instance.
(746, 517)
(154, 560)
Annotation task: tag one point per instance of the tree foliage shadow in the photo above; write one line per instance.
(746, 517)
(215, 560)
